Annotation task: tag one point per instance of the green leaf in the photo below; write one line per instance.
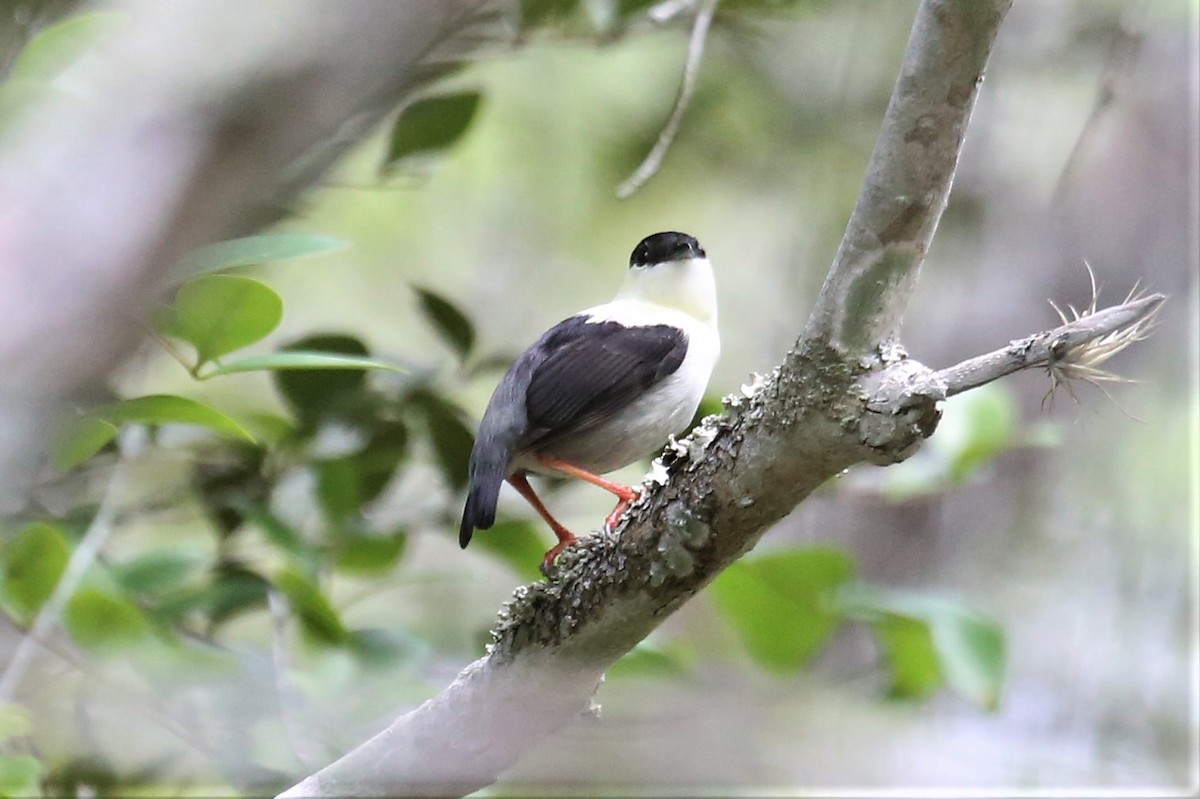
(541, 12)
(56, 46)
(229, 481)
(157, 571)
(966, 647)
(270, 428)
(377, 462)
(912, 657)
(312, 608)
(21, 775)
(779, 604)
(430, 126)
(338, 489)
(80, 439)
(451, 438)
(451, 323)
(354, 475)
(218, 314)
(235, 590)
(276, 531)
(33, 563)
(277, 361)
(972, 651)
(232, 589)
(160, 409)
(517, 543)
(102, 621)
(634, 7)
(370, 554)
(261, 249)
(314, 393)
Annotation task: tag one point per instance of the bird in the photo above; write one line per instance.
(602, 388)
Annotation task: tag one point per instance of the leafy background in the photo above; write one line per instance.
(261, 505)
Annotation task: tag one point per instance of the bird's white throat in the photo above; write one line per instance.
(686, 286)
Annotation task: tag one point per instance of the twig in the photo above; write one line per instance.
(687, 86)
(1051, 346)
(81, 559)
(1116, 65)
(668, 10)
(277, 604)
(141, 703)
(173, 351)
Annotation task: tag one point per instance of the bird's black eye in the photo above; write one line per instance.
(664, 247)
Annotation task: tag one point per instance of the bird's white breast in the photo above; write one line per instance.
(642, 426)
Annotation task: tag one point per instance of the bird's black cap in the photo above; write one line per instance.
(663, 247)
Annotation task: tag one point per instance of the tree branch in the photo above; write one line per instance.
(1052, 346)
(909, 175)
(823, 409)
(687, 86)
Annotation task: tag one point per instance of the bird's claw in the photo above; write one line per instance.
(553, 553)
(611, 521)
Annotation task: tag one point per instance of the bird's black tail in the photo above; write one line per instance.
(487, 474)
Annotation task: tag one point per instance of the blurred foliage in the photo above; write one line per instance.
(976, 428)
(56, 47)
(290, 501)
(785, 606)
(778, 603)
(930, 640)
(33, 561)
(428, 127)
(34, 69)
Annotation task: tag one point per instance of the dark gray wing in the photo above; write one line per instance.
(587, 371)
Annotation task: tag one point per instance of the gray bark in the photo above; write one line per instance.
(909, 176)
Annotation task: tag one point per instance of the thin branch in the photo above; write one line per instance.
(81, 560)
(687, 87)
(285, 693)
(172, 350)
(1117, 64)
(1061, 344)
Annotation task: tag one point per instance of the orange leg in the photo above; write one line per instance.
(565, 537)
(624, 494)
